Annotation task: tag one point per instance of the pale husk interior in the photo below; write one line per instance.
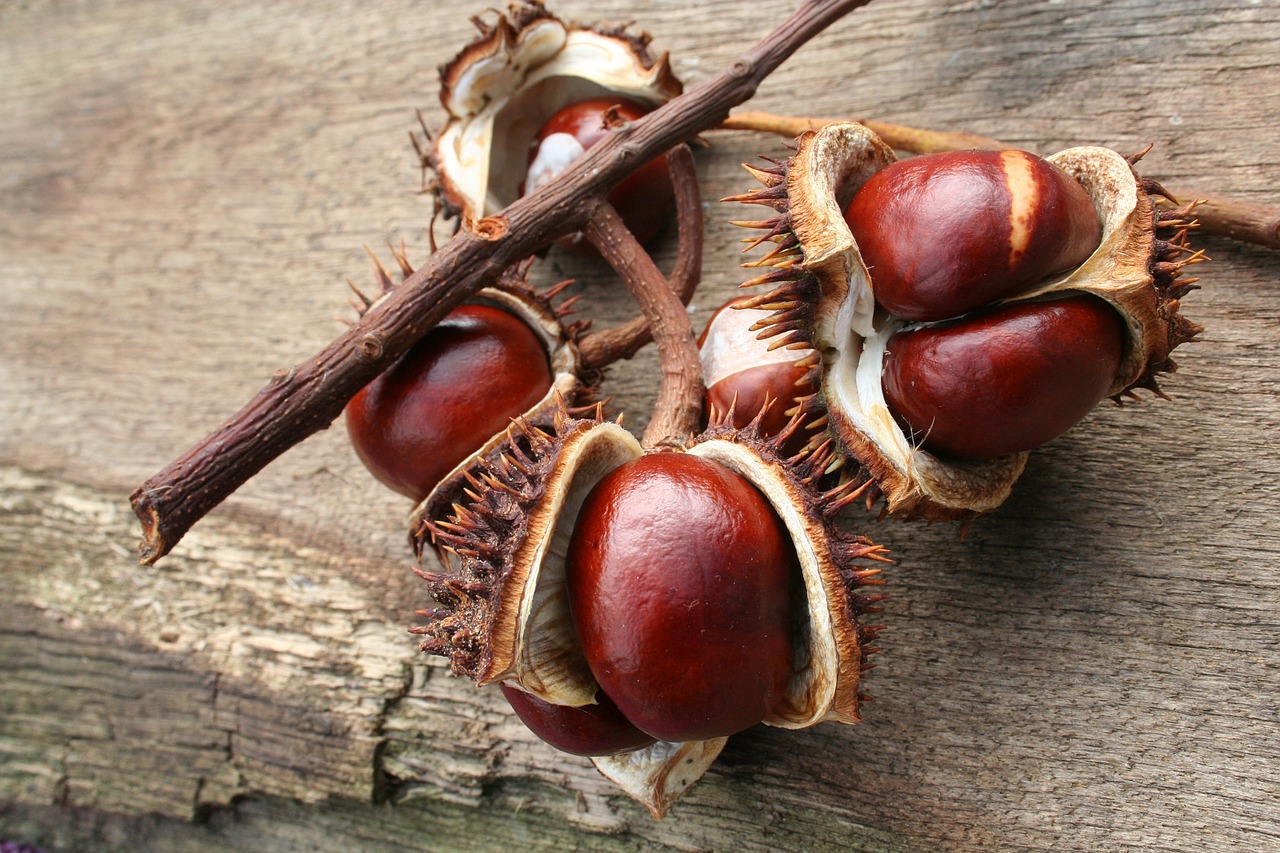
(826, 660)
(533, 635)
(498, 102)
(658, 774)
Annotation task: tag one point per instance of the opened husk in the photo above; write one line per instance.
(500, 89)
(826, 294)
(504, 599)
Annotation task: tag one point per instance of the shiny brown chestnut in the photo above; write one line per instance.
(598, 729)
(828, 296)
(945, 234)
(644, 200)
(461, 384)
(681, 581)
(744, 376)
(512, 608)
(1005, 380)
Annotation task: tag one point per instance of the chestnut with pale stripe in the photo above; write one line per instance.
(828, 295)
(946, 234)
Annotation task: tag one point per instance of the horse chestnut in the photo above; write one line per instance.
(744, 376)
(947, 233)
(460, 385)
(862, 247)
(681, 578)
(643, 200)
(1005, 380)
(598, 729)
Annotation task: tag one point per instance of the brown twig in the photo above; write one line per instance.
(912, 139)
(602, 348)
(308, 397)
(679, 407)
(1244, 221)
(1228, 217)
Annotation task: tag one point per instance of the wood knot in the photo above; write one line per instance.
(489, 227)
(741, 68)
(371, 347)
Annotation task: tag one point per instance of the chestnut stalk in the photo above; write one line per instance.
(602, 348)
(310, 395)
(1245, 221)
(679, 406)
(661, 495)
(559, 589)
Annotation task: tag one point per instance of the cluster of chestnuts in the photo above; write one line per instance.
(917, 327)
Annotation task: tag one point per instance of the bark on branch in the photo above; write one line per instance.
(679, 407)
(599, 349)
(310, 396)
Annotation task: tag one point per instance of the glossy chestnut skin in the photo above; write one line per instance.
(680, 579)
(1005, 380)
(743, 375)
(945, 234)
(644, 200)
(449, 394)
(598, 729)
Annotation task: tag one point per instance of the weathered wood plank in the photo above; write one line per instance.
(185, 188)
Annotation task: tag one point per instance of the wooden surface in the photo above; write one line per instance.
(184, 189)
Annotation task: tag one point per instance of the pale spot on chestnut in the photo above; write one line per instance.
(1024, 199)
(644, 200)
(554, 154)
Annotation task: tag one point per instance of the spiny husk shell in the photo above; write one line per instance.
(817, 270)
(829, 652)
(568, 387)
(507, 609)
(500, 90)
(505, 606)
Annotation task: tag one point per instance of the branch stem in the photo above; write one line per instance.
(600, 349)
(679, 407)
(307, 398)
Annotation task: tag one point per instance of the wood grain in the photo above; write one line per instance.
(184, 189)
